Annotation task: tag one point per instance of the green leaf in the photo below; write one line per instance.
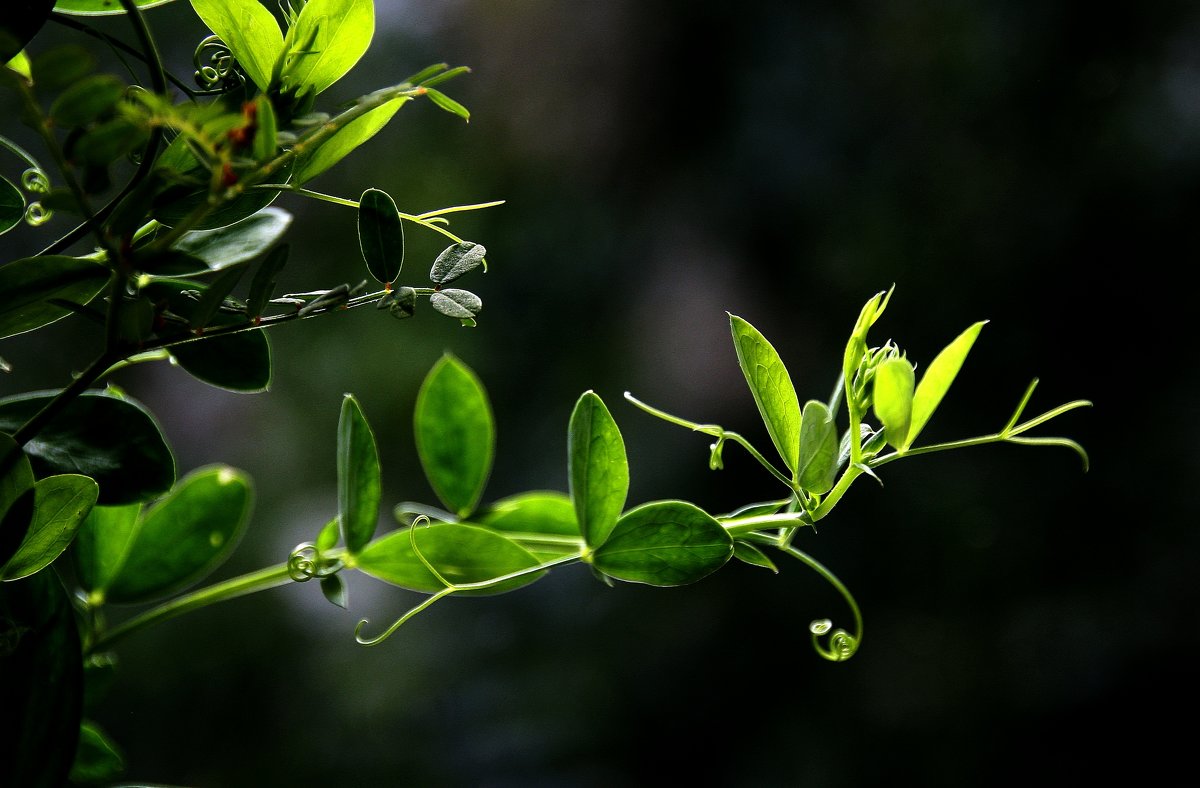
(894, 381)
(174, 205)
(937, 379)
(97, 759)
(20, 63)
(249, 30)
(597, 469)
(12, 206)
(239, 242)
(101, 7)
(359, 482)
(344, 141)
(772, 388)
(328, 536)
(16, 502)
(334, 34)
(60, 504)
(263, 284)
(817, 464)
(455, 434)
(186, 535)
(856, 346)
(335, 591)
(750, 554)
(456, 260)
(213, 296)
(103, 543)
(108, 141)
(531, 513)
(266, 135)
(60, 66)
(235, 362)
(462, 304)
(86, 100)
(41, 694)
(27, 285)
(380, 235)
(462, 554)
(114, 440)
(450, 105)
(401, 303)
(664, 543)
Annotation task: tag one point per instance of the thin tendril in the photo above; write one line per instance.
(222, 73)
(841, 644)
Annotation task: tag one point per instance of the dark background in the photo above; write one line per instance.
(1034, 164)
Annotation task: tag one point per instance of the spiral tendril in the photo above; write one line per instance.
(306, 562)
(37, 214)
(35, 181)
(217, 71)
(839, 645)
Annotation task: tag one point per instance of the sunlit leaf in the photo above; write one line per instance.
(235, 362)
(936, 380)
(239, 242)
(249, 30)
(60, 504)
(41, 689)
(455, 434)
(450, 105)
(750, 554)
(894, 382)
(597, 469)
(27, 285)
(101, 7)
(531, 512)
(461, 554)
(358, 476)
(664, 543)
(16, 500)
(772, 388)
(344, 141)
(380, 235)
(114, 440)
(102, 544)
(186, 535)
(334, 34)
(817, 465)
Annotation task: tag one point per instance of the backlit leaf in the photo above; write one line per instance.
(937, 379)
(772, 388)
(345, 140)
(60, 505)
(664, 543)
(358, 476)
(249, 30)
(334, 35)
(455, 434)
(894, 382)
(597, 469)
(102, 544)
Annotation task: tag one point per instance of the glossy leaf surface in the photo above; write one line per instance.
(358, 477)
(938, 376)
(532, 512)
(60, 505)
(115, 441)
(186, 535)
(455, 434)
(380, 235)
(894, 383)
(597, 469)
(16, 500)
(236, 362)
(239, 242)
(345, 140)
(818, 448)
(27, 285)
(460, 553)
(664, 543)
(102, 544)
(334, 34)
(772, 388)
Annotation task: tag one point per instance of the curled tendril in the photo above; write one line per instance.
(35, 181)
(306, 562)
(216, 69)
(37, 214)
(840, 644)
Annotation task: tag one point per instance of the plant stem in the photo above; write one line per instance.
(94, 371)
(262, 580)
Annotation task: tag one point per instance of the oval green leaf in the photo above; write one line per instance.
(101, 7)
(236, 243)
(462, 554)
(894, 382)
(772, 388)
(236, 362)
(597, 469)
(937, 379)
(750, 554)
(664, 543)
(249, 30)
(462, 304)
(27, 285)
(86, 100)
(456, 260)
(359, 482)
(16, 502)
(343, 142)
(60, 505)
(41, 692)
(186, 535)
(455, 434)
(112, 439)
(334, 35)
(817, 464)
(542, 522)
(12, 206)
(380, 235)
(102, 544)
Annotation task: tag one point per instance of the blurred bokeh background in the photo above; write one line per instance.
(663, 163)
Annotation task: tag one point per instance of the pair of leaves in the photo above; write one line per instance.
(904, 407)
(130, 554)
(327, 38)
(662, 543)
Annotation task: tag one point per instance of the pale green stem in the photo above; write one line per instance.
(856, 639)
